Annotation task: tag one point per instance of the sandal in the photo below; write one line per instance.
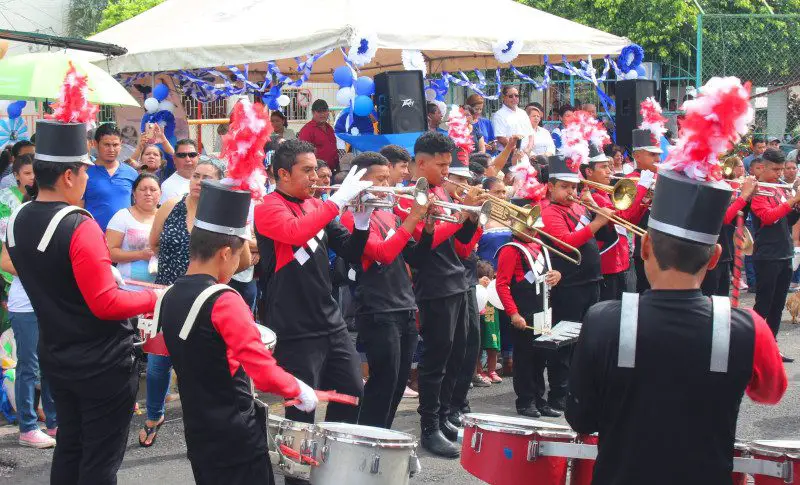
(150, 432)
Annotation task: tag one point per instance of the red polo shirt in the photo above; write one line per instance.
(323, 139)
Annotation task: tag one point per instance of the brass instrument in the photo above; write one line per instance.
(522, 222)
(728, 165)
(613, 218)
(482, 211)
(418, 193)
(623, 193)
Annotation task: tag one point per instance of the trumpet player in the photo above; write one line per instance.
(646, 153)
(384, 299)
(614, 254)
(579, 289)
(440, 286)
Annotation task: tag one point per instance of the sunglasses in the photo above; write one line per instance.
(186, 154)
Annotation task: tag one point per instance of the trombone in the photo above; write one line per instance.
(522, 222)
(623, 193)
(612, 217)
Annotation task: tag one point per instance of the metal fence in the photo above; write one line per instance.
(761, 49)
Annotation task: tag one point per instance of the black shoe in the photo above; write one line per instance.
(530, 412)
(456, 419)
(435, 442)
(448, 430)
(557, 404)
(786, 359)
(549, 412)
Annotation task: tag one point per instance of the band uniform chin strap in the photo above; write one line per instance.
(720, 333)
(628, 327)
(201, 299)
(10, 240)
(55, 221)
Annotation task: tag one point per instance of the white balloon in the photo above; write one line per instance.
(283, 100)
(344, 96)
(632, 75)
(151, 105)
(493, 297)
(166, 106)
(430, 94)
(4, 105)
(482, 294)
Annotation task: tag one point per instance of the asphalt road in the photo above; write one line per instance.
(165, 463)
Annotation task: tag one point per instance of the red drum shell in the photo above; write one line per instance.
(583, 470)
(779, 451)
(156, 345)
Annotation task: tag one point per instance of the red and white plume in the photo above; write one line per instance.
(243, 147)
(458, 129)
(72, 105)
(578, 132)
(526, 185)
(652, 119)
(714, 122)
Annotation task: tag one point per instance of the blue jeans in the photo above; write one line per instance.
(26, 335)
(159, 370)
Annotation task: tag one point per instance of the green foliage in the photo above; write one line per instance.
(83, 17)
(119, 11)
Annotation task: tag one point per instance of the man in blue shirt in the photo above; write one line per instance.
(362, 123)
(759, 145)
(110, 182)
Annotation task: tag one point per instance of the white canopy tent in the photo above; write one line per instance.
(452, 34)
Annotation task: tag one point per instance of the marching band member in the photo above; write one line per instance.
(627, 381)
(773, 218)
(85, 340)
(646, 153)
(524, 275)
(399, 158)
(440, 286)
(614, 256)
(384, 299)
(579, 288)
(294, 232)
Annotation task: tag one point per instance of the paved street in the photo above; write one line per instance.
(165, 463)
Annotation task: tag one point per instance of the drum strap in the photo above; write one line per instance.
(720, 332)
(197, 305)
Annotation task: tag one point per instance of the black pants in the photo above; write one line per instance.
(612, 286)
(329, 362)
(718, 280)
(389, 340)
(459, 401)
(529, 364)
(255, 472)
(772, 286)
(94, 416)
(443, 327)
(568, 303)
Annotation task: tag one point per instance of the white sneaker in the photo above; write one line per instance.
(410, 393)
(36, 439)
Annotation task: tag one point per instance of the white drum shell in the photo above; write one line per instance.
(362, 455)
(297, 436)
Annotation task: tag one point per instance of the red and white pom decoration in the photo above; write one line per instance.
(526, 185)
(72, 105)
(578, 132)
(652, 119)
(458, 129)
(714, 122)
(243, 148)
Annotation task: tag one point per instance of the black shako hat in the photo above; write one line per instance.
(223, 210)
(61, 142)
(596, 155)
(645, 140)
(687, 208)
(558, 170)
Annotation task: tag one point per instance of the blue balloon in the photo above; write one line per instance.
(362, 106)
(641, 72)
(365, 86)
(161, 92)
(272, 103)
(15, 109)
(343, 76)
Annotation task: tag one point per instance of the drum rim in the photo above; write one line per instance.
(766, 448)
(288, 424)
(407, 442)
(552, 430)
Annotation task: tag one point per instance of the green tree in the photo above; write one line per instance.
(118, 11)
(83, 17)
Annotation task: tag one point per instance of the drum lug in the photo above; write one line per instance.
(375, 466)
(308, 447)
(326, 451)
(414, 466)
(788, 472)
(533, 450)
(475, 442)
(288, 440)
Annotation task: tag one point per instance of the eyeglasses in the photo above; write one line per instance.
(187, 154)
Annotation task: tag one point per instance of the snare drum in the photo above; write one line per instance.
(739, 451)
(297, 436)
(583, 469)
(783, 457)
(510, 450)
(153, 342)
(268, 337)
(363, 455)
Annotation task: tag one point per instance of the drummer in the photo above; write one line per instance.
(660, 376)
(216, 349)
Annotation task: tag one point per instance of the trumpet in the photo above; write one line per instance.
(623, 193)
(522, 222)
(766, 184)
(613, 218)
(483, 211)
(418, 193)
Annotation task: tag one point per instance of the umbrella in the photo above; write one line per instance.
(40, 76)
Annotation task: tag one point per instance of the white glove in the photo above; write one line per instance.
(362, 215)
(308, 398)
(646, 179)
(117, 276)
(351, 187)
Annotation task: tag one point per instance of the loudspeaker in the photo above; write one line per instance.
(629, 95)
(400, 101)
